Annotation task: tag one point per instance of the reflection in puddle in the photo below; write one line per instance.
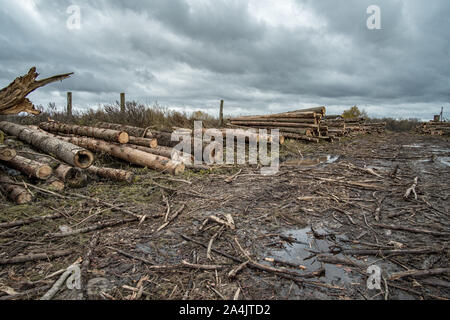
(301, 251)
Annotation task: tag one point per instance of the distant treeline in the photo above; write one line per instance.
(135, 114)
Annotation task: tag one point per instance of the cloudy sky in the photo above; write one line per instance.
(259, 56)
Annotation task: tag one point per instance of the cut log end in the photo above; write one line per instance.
(178, 168)
(44, 172)
(123, 137)
(22, 198)
(84, 159)
(153, 143)
(7, 154)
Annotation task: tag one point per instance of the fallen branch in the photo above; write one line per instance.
(418, 273)
(37, 256)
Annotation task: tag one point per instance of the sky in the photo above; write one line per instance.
(259, 56)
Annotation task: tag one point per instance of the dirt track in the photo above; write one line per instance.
(310, 232)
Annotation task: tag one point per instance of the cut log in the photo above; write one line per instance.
(67, 152)
(13, 98)
(297, 115)
(112, 174)
(311, 120)
(74, 177)
(166, 152)
(271, 124)
(128, 154)
(104, 134)
(163, 138)
(30, 167)
(145, 142)
(14, 192)
(300, 137)
(7, 154)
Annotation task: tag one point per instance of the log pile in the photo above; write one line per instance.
(434, 128)
(311, 125)
(302, 124)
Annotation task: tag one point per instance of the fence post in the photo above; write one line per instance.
(221, 113)
(69, 104)
(122, 102)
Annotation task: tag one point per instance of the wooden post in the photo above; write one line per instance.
(221, 113)
(122, 102)
(69, 104)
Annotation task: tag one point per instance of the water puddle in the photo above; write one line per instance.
(305, 246)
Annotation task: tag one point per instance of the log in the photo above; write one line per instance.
(74, 177)
(30, 167)
(163, 138)
(13, 98)
(272, 124)
(128, 154)
(7, 154)
(166, 152)
(300, 137)
(297, 115)
(145, 142)
(311, 120)
(14, 192)
(67, 152)
(112, 174)
(104, 134)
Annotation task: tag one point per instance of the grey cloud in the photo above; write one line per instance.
(190, 54)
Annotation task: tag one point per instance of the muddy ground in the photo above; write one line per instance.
(309, 232)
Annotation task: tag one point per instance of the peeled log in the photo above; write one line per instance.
(112, 174)
(104, 134)
(63, 150)
(13, 98)
(128, 154)
(7, 154)
(288, 115)
(167, 152)
(274, 119)
(14, 192)
(30, 167)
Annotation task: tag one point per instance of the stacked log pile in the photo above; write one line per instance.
(434, 128)
(309, 124)
(302, 124)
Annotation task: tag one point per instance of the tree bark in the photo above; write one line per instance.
(128, 154)
(112, 174)
(7, 154)
(13, 98)
(30, 167)
(69, 153)
(104, 134)
(14, 192)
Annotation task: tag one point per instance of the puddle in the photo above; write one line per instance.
(311, 161)
(301, 250)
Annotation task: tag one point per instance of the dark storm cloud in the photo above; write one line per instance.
(260, 56)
